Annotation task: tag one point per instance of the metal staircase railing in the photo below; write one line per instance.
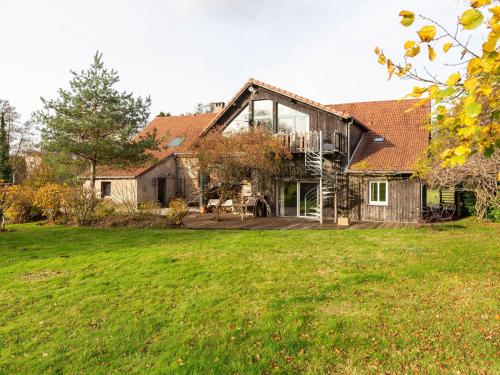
(322, 169)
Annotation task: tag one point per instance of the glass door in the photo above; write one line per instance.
(308, 198)
(288, 201)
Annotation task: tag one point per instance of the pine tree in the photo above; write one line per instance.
(95, 122)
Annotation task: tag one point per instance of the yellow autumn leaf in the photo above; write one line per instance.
(479, 3)
(473, 65)
(471, 19)
(390, 68)
(417, 91)
(381, 59)
(495, 10)
(471, 83)
(409, 44)
(407, 17)
(432, 53)
(433, 91)
(453, 79)
(427, 33)
(486, 90)
(447, 46)
(413, 51)
(490, 44)
(462, 150)
(377, 50)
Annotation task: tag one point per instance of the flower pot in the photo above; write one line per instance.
(203, 210)
(343, 221)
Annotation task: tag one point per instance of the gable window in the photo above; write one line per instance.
(292, 121)
(263, 113)
(239, 123)
(379, 193)
(105, 189)
(177, 141)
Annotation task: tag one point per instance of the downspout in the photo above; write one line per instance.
(349, 124)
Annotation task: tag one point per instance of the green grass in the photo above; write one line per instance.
(86, 300)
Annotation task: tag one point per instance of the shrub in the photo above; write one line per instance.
(81, 203)
(177, 211)
(105, 208)
(150, 207)
(22, 209)
(49, 199)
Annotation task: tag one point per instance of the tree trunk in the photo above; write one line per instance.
(92, 174)
(2, 222)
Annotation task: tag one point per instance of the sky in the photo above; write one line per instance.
(185, 52)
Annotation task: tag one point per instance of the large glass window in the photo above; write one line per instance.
(292, 121)
(239, 123)
(379, 191)
(263, 113)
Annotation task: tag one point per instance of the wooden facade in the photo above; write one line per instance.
(352, 195)
(403, 204)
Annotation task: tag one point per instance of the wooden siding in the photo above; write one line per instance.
(403, 203)
(318, 119)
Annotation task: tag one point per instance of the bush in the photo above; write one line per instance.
(469, 201)
(49, 199)
(81, 203)
(150, 207)
(22, 209)
(105, 208)
(177, 211)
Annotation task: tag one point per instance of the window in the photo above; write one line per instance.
(292, 121)
(177, 141)
(379, 191)
(239, 123)
(263, 113)
(105, 189)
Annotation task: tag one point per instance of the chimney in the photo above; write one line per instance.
(216, 107)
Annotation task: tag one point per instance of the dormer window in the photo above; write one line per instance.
(378, 139)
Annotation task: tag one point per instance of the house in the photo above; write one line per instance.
(350, 160)
(354, 160)
(169, 176)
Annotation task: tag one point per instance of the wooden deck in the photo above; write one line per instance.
(230, 221)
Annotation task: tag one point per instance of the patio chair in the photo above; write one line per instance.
(250, 206)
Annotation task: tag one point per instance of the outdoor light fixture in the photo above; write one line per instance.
(251, 89)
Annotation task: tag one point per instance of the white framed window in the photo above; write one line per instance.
(378, 193)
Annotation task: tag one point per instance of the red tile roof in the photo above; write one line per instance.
(405, 137)
(190, 127)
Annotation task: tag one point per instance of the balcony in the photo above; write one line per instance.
(300, 142)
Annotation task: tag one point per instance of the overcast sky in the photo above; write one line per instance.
(184, 52)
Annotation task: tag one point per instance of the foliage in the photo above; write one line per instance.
(105, 208)
(178, 209)
(381, 301)
(5, 167)
(81, 203)
(22, 209)
(478, 174)
(6, 200)
(44, 168)
(151, 207)
(96, 123)
(467, 103)
(49, 199)
(469, 203)
(230, 159)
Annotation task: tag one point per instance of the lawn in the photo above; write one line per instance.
(86, 300)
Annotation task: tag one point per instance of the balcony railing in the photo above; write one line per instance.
(310, 141)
